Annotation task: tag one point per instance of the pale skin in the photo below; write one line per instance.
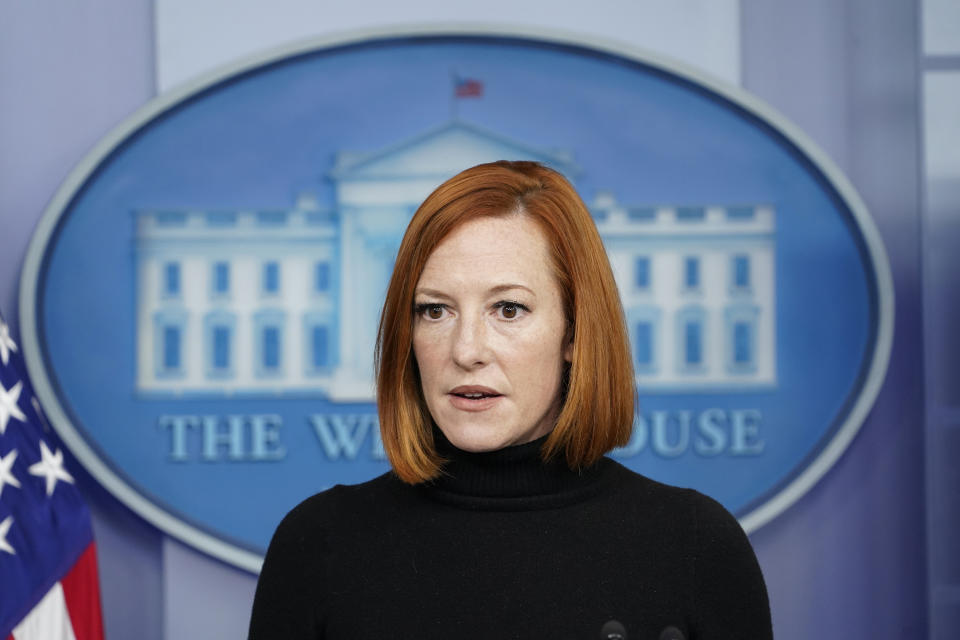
(490, 336)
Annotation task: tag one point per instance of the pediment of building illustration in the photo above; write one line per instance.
(441, 151)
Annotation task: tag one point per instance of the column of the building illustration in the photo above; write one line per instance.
(381, 248)
(375, 226)
(193, 298)
(351, 303)
(143, 311)
(715, 257)
(767, 332)
(317, 324)
(765, 286)
(243, 298)
(374, 287)
(294, 297)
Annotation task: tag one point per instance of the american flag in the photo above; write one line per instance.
(48, 564)
(467, 87)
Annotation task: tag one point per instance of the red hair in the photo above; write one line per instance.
(597, 410)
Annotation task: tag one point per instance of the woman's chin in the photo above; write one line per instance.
(476, 440)
(481, 438)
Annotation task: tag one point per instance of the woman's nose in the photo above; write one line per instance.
(470, 348)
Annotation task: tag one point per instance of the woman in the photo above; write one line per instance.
(503, 376)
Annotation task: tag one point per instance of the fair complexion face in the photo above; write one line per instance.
(490, 334)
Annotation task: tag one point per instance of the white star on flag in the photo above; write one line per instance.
(6, 342)
(50, 467)
(46, 544)
(9, 407)
(6, 476)
(4, 527)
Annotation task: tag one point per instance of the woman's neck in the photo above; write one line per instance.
(510, 474)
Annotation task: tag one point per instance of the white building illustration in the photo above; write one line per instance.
(697, 285)
(287, 301)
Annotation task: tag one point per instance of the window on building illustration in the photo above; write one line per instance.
(641, 214)
(742, 344)
(268, 343)
(221, 278)
(643, 344)
(170, 344)
(270, 348)
(271, 277)
(219, 343)
(741, 337)
(693, 343)
(641, 272)
(171, 279)
(271, 218)
(690, 331)
(221, 347)
(644, 323)
(221, 218)
(691, 272)
(691, 214)
(741, 271)
(172, 339)
(171, 218)
(741, 213)
(320, 346)
(321, 277)
(317, 218)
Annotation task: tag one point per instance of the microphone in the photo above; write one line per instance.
(672, 633)
(613, 630)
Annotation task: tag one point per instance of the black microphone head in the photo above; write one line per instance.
(613, 630)
(672, 633)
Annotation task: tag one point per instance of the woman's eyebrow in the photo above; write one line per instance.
(500, 288)
(433, 293)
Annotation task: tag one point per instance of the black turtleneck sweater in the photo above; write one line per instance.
(504, 546)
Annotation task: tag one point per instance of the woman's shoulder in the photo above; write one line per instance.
(333, 504)
(728, 584)
(679, 503)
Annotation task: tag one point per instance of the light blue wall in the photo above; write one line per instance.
(69, 72)
(847, 561)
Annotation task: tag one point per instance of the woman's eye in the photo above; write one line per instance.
(510, 310)
(430, 311)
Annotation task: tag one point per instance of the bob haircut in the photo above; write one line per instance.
(598, 387)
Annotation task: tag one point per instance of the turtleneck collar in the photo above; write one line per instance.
(513, 477)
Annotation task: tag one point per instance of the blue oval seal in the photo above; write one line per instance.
(199, 302)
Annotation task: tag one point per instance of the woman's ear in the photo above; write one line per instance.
(568, 346)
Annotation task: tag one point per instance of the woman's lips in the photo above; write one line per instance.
(473, 398)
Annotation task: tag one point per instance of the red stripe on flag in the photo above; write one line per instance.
(81, 590)
(468, 88)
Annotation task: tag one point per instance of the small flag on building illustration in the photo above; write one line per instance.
(48, 568)
(467, 87)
